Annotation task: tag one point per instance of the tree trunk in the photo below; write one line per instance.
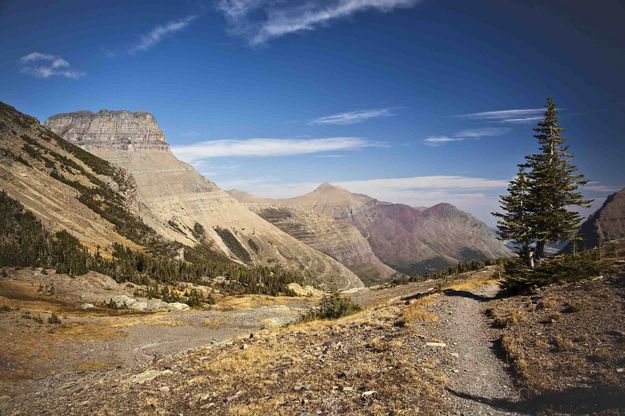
(527, 254)
(540, 250)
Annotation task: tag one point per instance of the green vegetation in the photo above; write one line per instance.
(448, 273)
(561, 268)
(233, 244)
(25, 242)
(538, 207)
(332, 306)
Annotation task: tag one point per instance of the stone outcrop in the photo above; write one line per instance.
(182, 205)
(114, 129)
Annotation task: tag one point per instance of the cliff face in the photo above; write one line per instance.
(607, 223)
(340, 240)
(411, 240)
(175, 200)
(113, 129)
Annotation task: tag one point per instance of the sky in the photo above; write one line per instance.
(417, 102)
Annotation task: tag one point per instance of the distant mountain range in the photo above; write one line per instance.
(110, 177)
(410, 240)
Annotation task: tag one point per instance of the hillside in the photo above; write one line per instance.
(182, 205)
(66, 187)
(605, 224)
(340, 240)
(410, 240)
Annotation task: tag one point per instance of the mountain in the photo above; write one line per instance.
(180, 204)
(607, 223)
(408, 239)
(65, 187)
(340, 240)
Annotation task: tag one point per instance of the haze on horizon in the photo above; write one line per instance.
(408, 101)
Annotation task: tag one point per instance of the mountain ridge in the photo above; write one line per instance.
(605, 224)
(175, 199)
(408, 239)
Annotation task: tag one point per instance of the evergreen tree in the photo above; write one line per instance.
(553, 185)
(514, 223)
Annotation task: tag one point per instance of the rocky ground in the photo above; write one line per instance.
(56, 331)
(404, 354)
(566, 344)
(412, 350)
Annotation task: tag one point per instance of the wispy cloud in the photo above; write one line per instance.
(438, 140)
(264, 147)
(42, 65)
(428, 183)
(598, 187)
(482, 132)
(507, 116)
(263, 20)
(469, 134)
(160, 32)
(353, 117)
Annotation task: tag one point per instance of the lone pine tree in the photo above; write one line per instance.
(538, 206)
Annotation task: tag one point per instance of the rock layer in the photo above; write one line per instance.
(342, 241)
(182, 205)
(114, 129)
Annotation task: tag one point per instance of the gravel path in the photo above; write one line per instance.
(479, 383)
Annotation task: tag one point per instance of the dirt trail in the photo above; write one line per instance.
(479, 383)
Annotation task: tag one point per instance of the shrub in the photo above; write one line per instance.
(333, 306)
(561, 268)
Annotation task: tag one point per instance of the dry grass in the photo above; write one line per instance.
(360, 364)
(418, 310)
(92, 366)
(254, 301)
(566, 336)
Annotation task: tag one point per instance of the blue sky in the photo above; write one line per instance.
(407, 101)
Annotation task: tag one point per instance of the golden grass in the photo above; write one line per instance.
(92, 366)
(417, 311)
(213, 323)
(254, 301)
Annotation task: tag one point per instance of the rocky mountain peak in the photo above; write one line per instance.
(328, 187)
(118, 129)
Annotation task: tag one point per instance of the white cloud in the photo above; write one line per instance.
(263, 147)
(353, 117)
(263, 20)
(427, 183)
(470, 134)
(598, 187)
(508, 116)
(482, 132)
(438, 140)
(156, 35)
(42, 65)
